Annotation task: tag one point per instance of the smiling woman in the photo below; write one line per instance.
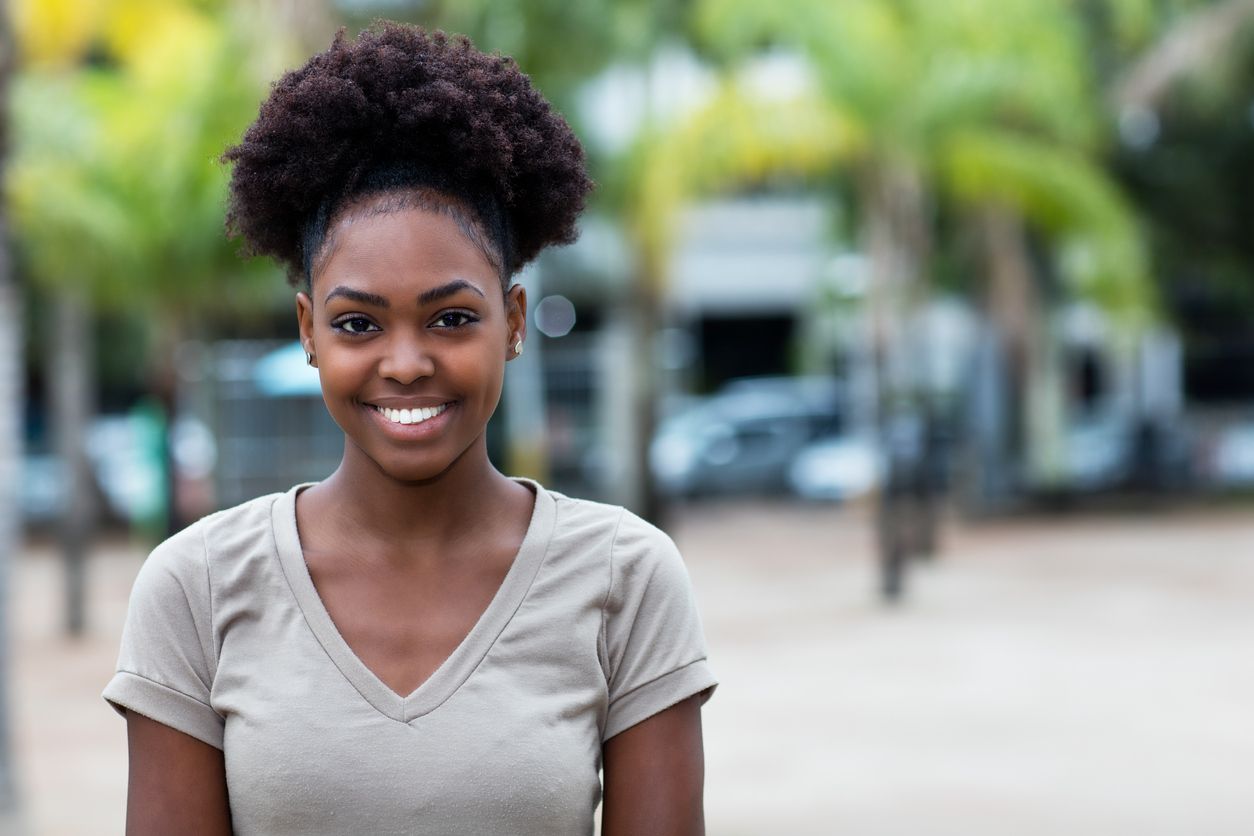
(416, 643)
(405, 314)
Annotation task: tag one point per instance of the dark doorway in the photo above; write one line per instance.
(745, 346)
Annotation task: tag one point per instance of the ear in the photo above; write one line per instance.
(516, 319)
(304, 320)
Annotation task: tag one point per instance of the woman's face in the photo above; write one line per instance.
(410, 332)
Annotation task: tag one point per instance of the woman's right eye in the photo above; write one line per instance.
(354, 325)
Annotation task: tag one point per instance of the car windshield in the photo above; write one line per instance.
(752, 404)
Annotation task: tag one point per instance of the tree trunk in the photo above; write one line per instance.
(11, 400)
(72, 388)
(898, 243)
(1196, 41)
(1011, 303)
(1015, 310)
(645, 316)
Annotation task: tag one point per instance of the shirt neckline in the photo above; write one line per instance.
(461, 663)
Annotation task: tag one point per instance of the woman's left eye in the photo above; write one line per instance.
(356, 325)
(453, 319)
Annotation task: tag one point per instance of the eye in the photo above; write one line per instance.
(354, 325)
(454, 319)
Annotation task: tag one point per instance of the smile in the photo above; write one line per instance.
(411, 416)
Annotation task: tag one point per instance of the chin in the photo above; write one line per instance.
(419, 470)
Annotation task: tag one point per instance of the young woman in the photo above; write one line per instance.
(416, 644)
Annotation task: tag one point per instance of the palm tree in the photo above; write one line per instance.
(739, 137)
(983, 106)
(980, 101)
(70, 371)
(11, 419)
(117, 198)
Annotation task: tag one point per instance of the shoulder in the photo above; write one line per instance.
(629, 536)
(256, 516)
(635, 553)
(184, 558)
(651, 644)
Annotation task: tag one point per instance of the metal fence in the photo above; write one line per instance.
(265, 443)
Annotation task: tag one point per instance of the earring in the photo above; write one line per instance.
(309, 358)
(518, 349)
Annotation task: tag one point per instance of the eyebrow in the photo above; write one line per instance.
(425, 298)
(429, 296)
(357, 296)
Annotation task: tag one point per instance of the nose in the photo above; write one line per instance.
(406, 359)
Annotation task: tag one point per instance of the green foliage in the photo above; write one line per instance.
(1195, 186)
(912, 68)
(1136, 24)
(558, 43)
(1098, 244)
(67, 222)
(736, 139)
(990, 101)
(114, 182)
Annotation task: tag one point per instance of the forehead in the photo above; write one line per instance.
(401, 250)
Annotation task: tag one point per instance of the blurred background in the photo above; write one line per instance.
(924, 327)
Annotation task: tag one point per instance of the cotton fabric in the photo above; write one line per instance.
(594, 629)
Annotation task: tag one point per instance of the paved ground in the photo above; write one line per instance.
(1056, 676)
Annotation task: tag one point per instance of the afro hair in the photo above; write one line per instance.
(400, 109)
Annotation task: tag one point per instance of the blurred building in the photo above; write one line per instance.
(740, 300)
(756, 288)
(744, 285)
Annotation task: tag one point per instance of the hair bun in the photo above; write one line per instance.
(398, 95)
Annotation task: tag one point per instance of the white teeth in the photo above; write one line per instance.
(411, 416)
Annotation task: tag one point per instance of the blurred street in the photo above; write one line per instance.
(1059, 675)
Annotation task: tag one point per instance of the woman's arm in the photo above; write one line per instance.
(655, 774)
(177, 783)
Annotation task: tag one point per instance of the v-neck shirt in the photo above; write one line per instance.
(465, 657)
(593, 629)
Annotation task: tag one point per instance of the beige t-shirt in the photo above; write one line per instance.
(593, 630)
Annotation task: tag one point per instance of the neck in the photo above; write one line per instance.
(376, 511)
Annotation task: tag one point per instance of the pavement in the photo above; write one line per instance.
(1088, 674)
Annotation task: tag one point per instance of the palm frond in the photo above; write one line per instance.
(1102, 251)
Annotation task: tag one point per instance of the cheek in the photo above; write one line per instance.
(343, 372)
(335, 366)
(476, 369)
(486, 368)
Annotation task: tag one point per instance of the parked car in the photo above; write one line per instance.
(837, 468)
(1230, 463)
(744, 438)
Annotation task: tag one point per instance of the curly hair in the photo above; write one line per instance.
(400, 110)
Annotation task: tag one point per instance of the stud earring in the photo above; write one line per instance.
(518, 349)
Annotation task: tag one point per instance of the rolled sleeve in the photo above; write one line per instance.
(654, 641)
(167, 660)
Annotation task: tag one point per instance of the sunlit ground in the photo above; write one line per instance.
(1086, 676)
(1073, 675)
